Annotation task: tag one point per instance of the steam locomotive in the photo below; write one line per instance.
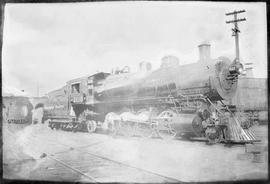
(174, 100)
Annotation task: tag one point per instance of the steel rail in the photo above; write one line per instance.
(74, 169)
(118, 162)
(61, 162)
(85, 146)
(50, 155)
(115, 161)
(130, 166)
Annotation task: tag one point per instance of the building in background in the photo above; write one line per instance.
(252, 95)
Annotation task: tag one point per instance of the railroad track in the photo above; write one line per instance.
(73, 169)
(116, 164)
(110, 167)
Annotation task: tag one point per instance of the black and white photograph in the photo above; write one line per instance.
(134, 92)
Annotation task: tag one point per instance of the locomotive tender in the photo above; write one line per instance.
(172, 100)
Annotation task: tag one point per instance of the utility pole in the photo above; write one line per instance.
(236, 31)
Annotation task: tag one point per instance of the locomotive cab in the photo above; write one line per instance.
(82, 90)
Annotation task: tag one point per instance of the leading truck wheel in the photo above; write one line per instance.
(197, 126)
(91, 126)
(213, 135)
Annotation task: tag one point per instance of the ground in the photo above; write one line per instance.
(35, 152)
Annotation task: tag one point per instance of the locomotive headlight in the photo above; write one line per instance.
(236, 68)
(240, 67)
(240, 70)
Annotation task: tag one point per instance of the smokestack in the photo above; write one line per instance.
(204, 52)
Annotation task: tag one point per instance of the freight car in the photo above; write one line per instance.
(17, 109)
(172, 100)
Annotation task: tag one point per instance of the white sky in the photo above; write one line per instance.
(49, 44)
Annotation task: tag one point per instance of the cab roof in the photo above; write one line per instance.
(98, 76)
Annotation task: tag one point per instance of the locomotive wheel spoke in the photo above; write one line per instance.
(91, 126)
(135, 129)
(167, 134)
(164, 127)
(213, 135)
(155, 130)
(144, 130)
(126, 128)
(117, 127)
(75, 127)
(197, 125)
(113, 128)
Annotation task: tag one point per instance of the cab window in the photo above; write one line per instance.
(75, 88)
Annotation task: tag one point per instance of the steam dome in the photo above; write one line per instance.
(169, 61)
